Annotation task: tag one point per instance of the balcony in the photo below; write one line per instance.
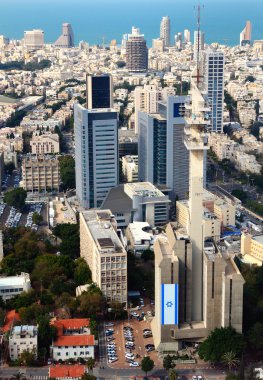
(193, 143)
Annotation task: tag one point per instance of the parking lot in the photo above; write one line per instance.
(10, 217)
(127, 342)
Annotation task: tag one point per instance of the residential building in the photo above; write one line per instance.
(199, 44)
(252, 248)
(4, 41)
(245, 35)
(136, 52)
(130, 168)
(34, 39)
(40, 173)
(45, 144)
(12, 286)
(66, 39)
(23, 338)
(73, 339)
(73, 347)
(222, 146)
(158, 44)
(147, 98)
(96, 154)
(99, 91)
(165, 31)
(214, 61)
(104, 253)
(187, 36)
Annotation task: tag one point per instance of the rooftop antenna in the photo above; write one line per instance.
(198, 19)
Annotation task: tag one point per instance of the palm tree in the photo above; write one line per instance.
(172, 374)
(230, 359)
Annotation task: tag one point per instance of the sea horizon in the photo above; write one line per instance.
(95, 20)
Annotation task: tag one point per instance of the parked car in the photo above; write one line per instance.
(134, 364)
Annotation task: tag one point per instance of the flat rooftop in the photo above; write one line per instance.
(101, 225)
(13, 280)
(144, 189)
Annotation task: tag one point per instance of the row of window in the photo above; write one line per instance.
(15, 290)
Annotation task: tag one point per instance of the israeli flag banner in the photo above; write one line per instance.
(169, 302)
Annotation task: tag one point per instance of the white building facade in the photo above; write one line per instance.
(22, 338)
(12, 286)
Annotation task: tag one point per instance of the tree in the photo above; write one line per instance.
(27, 358)
(46, 334)
(219, 342)
(172, 374)
(90, 363)
(16, 198)
(167, 362)
(67, 172)
(37, 218)
(240, 194)
(120, 64)
(231, 376)
(255, 336)
(69, 233)
(82, 272)
(147, 364)
(91, 304)
(230, 359)
(88, 376)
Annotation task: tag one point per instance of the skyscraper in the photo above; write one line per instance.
(163, 158)
(136, 52)
(165, 30)
(96, 152)
(66, 39)
(34, 39)
(99, 91)
(187, 36)
(245, 35)
(214, 62)
(199, 41)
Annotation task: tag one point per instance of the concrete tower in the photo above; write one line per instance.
(165, 30)
(187, 36)
(196, 141)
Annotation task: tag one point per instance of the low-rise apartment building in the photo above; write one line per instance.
(45, 144)
(73, 339)
(103, 251)
(252, 248)
(130, 168)
(12, 286)
(22, 338)
(40, 173)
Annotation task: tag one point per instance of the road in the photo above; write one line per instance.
(107, 373)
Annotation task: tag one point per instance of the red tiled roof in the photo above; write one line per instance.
(75, 340)
(10, 318)
(70, 324)
(60, 371)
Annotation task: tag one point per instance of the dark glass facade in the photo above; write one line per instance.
(159, 151)
(101, 91)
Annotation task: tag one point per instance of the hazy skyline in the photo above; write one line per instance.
(93, 19)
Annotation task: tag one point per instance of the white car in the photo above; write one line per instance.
(134, 364)
(109, 324)
(113, 360)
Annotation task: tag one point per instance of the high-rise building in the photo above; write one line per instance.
(34, 39)
(214, 62)
(245, 35)
(136, 52)
(66, 39)
(187, 36)
(96, 153)
(199, 44)
(163, 158)
(103, 251)
(198, 287)
(147, 98)
(165, 30)
(99, 91)
(178, 40)
(4, 41)
(158, 44)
